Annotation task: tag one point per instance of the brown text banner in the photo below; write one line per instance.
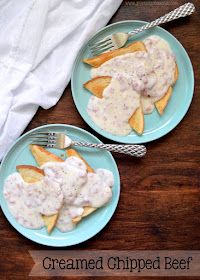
(115, 263)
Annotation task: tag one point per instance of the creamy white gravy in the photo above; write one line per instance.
(136, 77)
(65, 189)
(110, 112)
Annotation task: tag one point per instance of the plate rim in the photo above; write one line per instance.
(139, 140)
(64, 242)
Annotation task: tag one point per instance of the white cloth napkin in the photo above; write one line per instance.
(39, 40)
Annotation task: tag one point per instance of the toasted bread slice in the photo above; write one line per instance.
(97, 85)
(100, 59)
(176, 74)
(73, 153)
(29, 173)
(32, 174)
(162, 103)
(50, 222)
(137, 120)
(87, 210)
(43, 156)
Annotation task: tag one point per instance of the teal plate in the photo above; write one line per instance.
(156, 126)
(89, 226)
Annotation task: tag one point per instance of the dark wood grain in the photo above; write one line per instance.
(159, 206)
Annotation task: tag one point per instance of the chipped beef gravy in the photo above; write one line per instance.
(66, 188)
(136, 77)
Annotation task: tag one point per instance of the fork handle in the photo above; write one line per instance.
(183, 11)
(132, 150)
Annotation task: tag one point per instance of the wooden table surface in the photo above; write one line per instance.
(159, 205)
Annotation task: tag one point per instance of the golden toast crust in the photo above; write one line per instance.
(29, 173)
(162, 103)
(43, 156)
(176, 73)
(73, 153)
(97, 85)
(50, 221)
(100, 59)
(30, 167)
(137, 120)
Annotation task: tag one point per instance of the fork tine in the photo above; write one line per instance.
(35, 133)
(107, 44)
(96, 53)
(39, 142)
(102, 41)
(38, 136)
(45, 133)
(104, 46)
(43, 137)
(99, 51)
(101, 44)
(44, 143)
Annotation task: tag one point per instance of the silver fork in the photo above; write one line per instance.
(118, 40)
(61, 141)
